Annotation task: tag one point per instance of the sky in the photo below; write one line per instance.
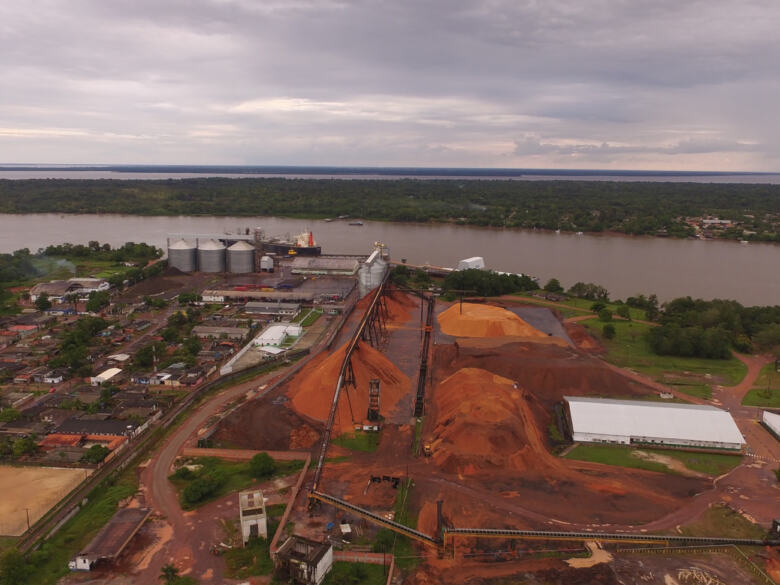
(575, 84)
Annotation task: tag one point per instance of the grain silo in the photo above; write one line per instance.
(182, 256)
(241, 257)
(211, 256)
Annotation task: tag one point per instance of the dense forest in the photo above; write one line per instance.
(588, 206)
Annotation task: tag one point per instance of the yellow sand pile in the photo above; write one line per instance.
(485, 321)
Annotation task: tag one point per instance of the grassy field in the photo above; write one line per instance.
(694, 376)
(766, 391)
(236, 476)
(254, 559)
(359, 441)
(714, 464)
(50, 562)
(721, 520)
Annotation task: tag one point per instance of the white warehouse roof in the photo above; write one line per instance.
(667, 422)
(772, 420)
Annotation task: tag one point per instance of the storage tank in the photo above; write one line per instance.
(241, 257)
(211, 256)
(266, 264)
(182, 256)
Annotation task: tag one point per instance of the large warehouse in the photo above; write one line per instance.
(602, 420)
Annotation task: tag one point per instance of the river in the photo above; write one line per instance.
(624, 265)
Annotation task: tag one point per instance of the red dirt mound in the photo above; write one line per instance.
(485, 321)
(399, 307)
(312, 390)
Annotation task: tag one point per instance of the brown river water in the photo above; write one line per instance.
(749, 273)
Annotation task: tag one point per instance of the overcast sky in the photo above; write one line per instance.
(620, 84)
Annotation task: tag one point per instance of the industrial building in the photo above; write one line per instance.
(473, 263)
(105, 376)
(276, 334)
(206, 331)
(772, 422)
(626, 422)
(304, 561)
(289, 310)
(112, 539)
(251, 514)
(57, 290)
(331, 265)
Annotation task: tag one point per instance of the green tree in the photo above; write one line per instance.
(14, 570)
(554, 286)
(97, 300)
(262, 465)
(96, 454)
(25, 446)
(624, 311)
(169, 573)
(42, 303)
(9, 415)
(609, 331)
(605, 315)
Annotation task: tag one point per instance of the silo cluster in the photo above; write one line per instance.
(211, 255)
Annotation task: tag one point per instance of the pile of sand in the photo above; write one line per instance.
(312, 390)
(485, 321)
(483, 422)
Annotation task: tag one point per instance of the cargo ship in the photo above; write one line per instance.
(301, 245)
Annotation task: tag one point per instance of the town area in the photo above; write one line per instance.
(248, 410)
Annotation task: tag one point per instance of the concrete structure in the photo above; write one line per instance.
(276, 334)
(211, 256)
(304, 561)
(112, 539)
(602, 420)
(241, 258)
(105, 376)
(288, 310)
(183, 256)
(475, 262)
(332, 265)
(251, 515)
(772, 422)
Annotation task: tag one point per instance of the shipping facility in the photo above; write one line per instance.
(628, 422)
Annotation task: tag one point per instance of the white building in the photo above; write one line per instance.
(602, 420)
(475, 262)
(251, 514)
(772, 422)
(105, 376)
(276, 334)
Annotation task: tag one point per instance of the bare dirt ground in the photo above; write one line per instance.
(33, 489)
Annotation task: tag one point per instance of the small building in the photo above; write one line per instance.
(55, 376)
(251, 514)
(628, 422)
(771, 422)
(288, 310)
(105, 376)
(304, 561)
(112, 539)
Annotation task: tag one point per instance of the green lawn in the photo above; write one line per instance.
(406, 556)
(579, 307)
(235, 476)
(694, 376)
(766, 391)
(357, 574)
(714, 464)
(311, 318)
(359, 441)
(254, 559)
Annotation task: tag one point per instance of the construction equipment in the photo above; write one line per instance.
(427, 449)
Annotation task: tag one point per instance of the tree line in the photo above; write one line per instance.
(588, 206)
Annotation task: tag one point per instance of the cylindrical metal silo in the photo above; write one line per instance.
(182, 256)
(241, 257)
(211, 256)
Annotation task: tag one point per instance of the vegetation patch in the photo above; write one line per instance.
(208, 478)
(721, 520)
(359, 441)
(400, 546)
(630, 349)
(766, 391)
